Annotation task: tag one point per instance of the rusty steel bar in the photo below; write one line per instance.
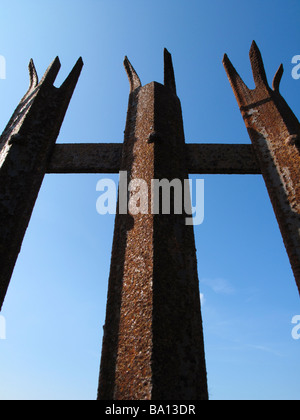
(86, 158)
(105, 158)
(25, 148)
(275, 134)
(153, 345)
(226, 159)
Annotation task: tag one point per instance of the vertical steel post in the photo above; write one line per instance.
(153, 344)
(275, 134)
(25, 149)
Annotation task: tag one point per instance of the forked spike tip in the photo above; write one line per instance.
(240, 89)
(73, 77)
(258, 68)
(169, 75)
(277, 78)
(134, 79)
(34, 80)
(52, 72)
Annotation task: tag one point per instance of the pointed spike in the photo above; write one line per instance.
(258, 68)
(52, 72)
(240, 89)
(34, 79)
(72, 79)
(134, 79)
(169, 75)
(277, 78)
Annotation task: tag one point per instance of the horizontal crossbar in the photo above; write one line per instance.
(106, 158)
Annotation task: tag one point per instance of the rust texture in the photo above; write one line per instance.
(86, 158)
(106, 158)
(226, 159)
(153, 344)
(275, 134)
(25, 148)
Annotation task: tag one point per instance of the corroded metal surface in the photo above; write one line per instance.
(25, 148)
(153, 341)
(86, 158)
(275, 132)
(229, 159)
(106, 158)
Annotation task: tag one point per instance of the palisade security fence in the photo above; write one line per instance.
(153, 338)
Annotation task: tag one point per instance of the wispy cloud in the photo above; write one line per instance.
(219, 286)
(264, 349)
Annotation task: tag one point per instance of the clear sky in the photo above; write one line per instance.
(55, 306)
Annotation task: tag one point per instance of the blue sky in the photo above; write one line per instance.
(55, 306)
